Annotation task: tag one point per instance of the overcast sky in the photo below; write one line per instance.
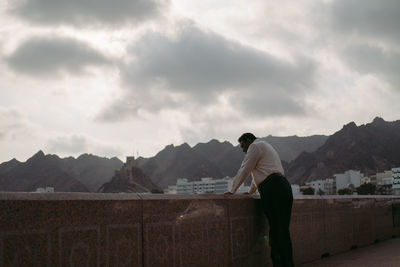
(128, 77)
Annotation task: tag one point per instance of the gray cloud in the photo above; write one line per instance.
(117, 110)
(76, 144)
(70, 144)
(368, 36)
(198, 66)
(379, 19)
(43, 56)
(374, 60)
(11, 123)
(82, 12)
(270, 103)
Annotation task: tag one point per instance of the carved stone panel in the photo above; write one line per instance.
(217, 243)
(124, 245)
(240, 237)
(25, 248)
(79, 246)
(160, 244)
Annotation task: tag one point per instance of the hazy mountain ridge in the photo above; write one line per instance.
(369, 148)
(177, 162)
(38, 171)
(214, 159)
(92, 171)
(84, 174)
(290, 147)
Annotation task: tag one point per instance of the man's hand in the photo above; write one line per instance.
(228, 193)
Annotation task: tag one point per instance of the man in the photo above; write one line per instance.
(263, 163)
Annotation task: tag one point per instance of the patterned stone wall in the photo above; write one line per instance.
(73, 229)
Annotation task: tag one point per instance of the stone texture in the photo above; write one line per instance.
(248, 233)
(186, 231)
(383, 219)
(307, 229)
(382, 254)
(396, 216)
(71, 231)
(364, 211)
(174, 230)
(339, 225)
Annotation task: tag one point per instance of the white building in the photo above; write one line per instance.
(295, 189)
(172, 189)
(45, 190)
(396, 181)
(382, 175)
(317, 185)
(204, 186)
(183, 186)
(348, 178)
(223, 185)
(328, 186)
(207, 185)
(386, 185)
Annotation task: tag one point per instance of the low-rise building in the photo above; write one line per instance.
(326, 186)
(382, 175)
(183, 186)
(207, 185)
(348, 179)
(318, 185)
(396, 181)
(295, 189)
(385, 186)
(223, 185)
(172, 189)
(330, 186)
(48, 189)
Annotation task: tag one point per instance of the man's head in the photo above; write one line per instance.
(245, 141)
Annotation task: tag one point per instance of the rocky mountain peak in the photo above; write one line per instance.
(38, 156)
(378, 121)
(351, 125)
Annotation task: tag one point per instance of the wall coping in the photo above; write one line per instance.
(135, 196)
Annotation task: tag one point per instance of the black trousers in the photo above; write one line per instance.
(277, 200)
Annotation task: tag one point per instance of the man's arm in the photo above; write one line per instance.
(253, 187)
(248, 164)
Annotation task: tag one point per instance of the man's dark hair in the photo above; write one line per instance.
(247, 136)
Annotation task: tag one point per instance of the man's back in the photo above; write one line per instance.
(268, 159)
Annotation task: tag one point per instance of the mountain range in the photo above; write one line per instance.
(370, 148)
(83, 174)
(215, 159)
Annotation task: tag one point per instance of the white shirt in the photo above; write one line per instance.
(261, 160)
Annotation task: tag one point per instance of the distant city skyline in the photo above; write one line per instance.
(130, 77)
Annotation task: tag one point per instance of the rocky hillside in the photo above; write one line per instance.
(84, 174)
(369, 148)
(130, 179)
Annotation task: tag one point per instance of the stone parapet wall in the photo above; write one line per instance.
(70, 229)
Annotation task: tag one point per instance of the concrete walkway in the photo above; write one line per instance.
(383, 254)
